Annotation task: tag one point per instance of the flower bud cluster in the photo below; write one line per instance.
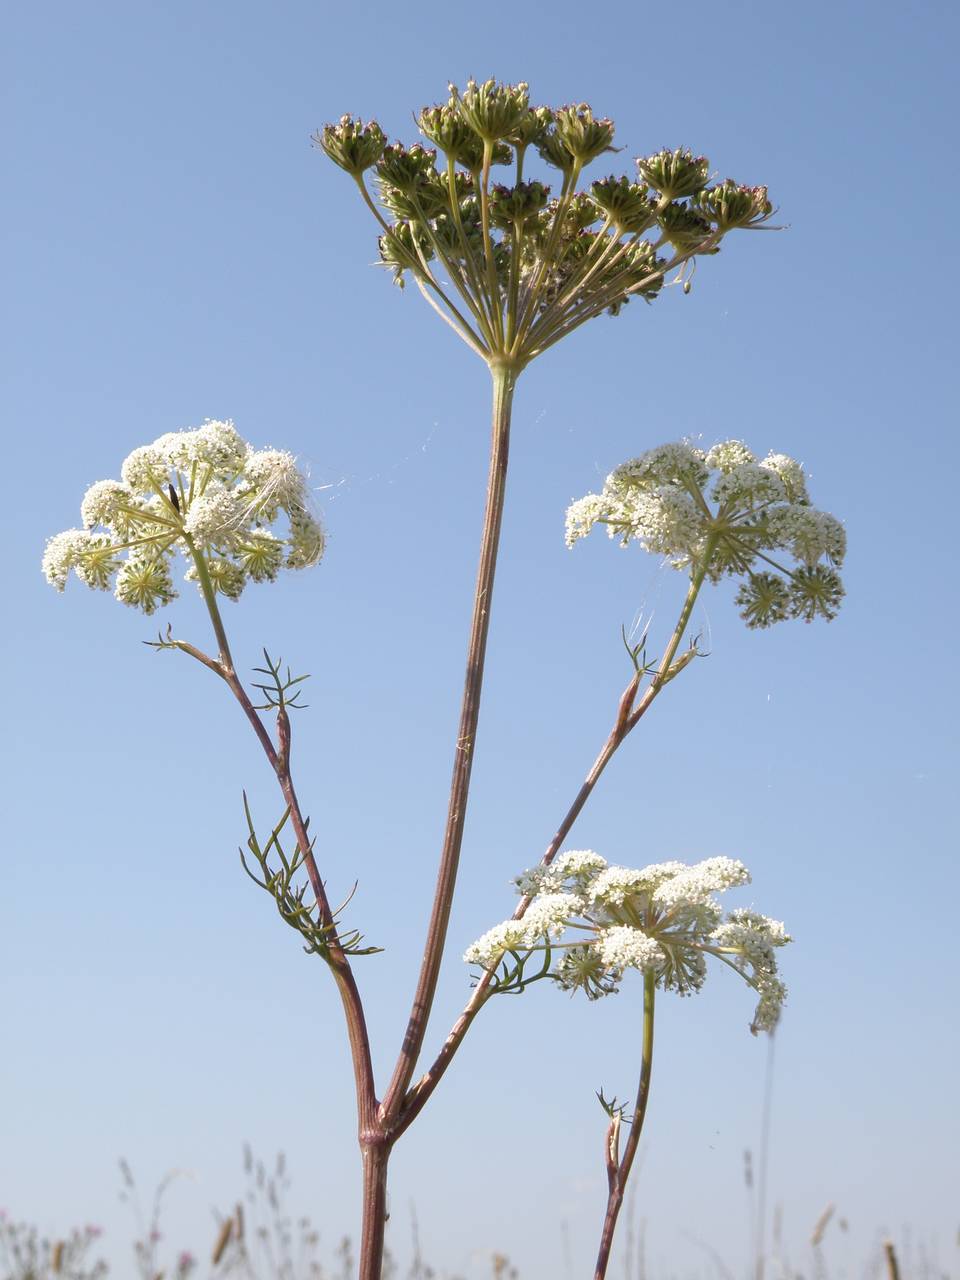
(664, 919)
(516, 206)
(353, 145)
(627, 204)
(583, 136)
(206, 494)
(494, 111)
(730, 515)
(527, 267)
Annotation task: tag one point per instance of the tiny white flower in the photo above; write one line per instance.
(143, 467)
(624, 947)
(772, 994)
(728, 454)
(179, 450)
(678, 463)
(773, 930)
(749, 485)
(578, 865)
(696, 884)
(790, 472)
(666, 521)
(545, 918)
(547, 915)
(216, 518)
(215, 447)
(811, 534)
(748, 940)
(582, 515)
(104, 503)
(614, 885)
(222, 447)
(274, 481)
(486, 951)
(307, 540)
(577, 862)
(60, 555)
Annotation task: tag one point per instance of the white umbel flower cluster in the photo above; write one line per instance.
(204, 493)
(546, 917)
(739, 514)
(599, 921)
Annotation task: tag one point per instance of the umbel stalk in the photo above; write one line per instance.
(504, 376)
(618, 1167)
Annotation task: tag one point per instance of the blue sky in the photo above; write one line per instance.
(179, 251)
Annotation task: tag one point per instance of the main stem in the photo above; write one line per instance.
(619, 1171)
(504, 380)
(376, 1155)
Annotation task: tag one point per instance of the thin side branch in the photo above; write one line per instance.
(279, 758)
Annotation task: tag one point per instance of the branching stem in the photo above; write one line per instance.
(629, 714)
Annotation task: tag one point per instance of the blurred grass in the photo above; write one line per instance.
(259, 1239)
